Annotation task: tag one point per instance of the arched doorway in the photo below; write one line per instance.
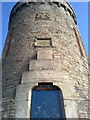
(47, 102)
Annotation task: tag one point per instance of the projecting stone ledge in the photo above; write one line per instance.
(43, 76)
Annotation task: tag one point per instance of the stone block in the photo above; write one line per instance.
(23, 100)
(45, 65)
(71, 112)
(43, 76)
(23, 91)
(21, 109)
(45, 53)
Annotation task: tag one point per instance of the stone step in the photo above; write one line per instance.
(45, 65)
(43, 76)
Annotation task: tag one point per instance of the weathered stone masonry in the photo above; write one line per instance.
(44, 45)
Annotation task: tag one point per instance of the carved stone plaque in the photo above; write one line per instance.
(42, 16)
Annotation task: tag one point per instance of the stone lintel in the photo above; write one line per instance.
(43, 76)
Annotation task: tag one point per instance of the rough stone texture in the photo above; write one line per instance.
(55, 21)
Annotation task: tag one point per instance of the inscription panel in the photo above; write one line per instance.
(42, 76)
(45, 65)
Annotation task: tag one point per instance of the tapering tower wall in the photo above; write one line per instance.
(44, 45)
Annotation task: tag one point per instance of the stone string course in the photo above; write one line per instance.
(72, 72)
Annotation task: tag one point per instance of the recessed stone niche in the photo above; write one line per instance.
(43, 42)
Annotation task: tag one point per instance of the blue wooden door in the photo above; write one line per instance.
(47, 104)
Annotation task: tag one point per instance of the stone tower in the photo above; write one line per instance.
(44, 48)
